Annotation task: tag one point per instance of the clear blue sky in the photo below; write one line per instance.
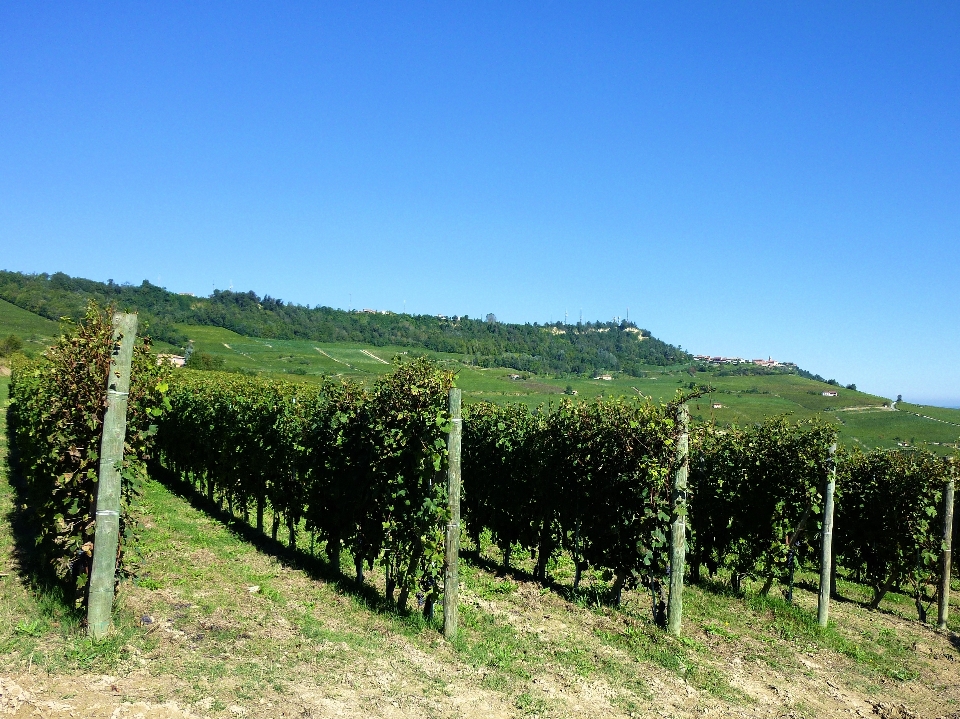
(758, 179)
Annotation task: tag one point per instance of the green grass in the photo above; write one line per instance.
(943, 414)
(36, 332)
(889, 429)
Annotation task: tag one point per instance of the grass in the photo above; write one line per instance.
(36, 332)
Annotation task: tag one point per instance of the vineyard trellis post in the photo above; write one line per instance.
(107, 532)
(678, 529)
(826, 541)
(451, 575)
(944, 607)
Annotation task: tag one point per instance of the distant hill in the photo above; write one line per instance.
(569, 349)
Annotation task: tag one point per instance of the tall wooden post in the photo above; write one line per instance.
(451, 574)
(107, 533)
(826, 542)
(944, 609)
(678, 531)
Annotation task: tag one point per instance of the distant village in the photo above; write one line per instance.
(769, 362)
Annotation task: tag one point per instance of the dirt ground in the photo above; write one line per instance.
(397, 677)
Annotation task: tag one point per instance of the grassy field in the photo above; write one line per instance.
(36, 332)
(941, 414)
(222, 622)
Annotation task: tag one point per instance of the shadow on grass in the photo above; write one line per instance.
(583, 595)
(721, 588)
(835, 598)
(313, 565)
(318, 567)
(496, 568)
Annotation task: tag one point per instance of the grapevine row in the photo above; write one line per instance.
(361, 468)
(56, 423)
(591, 478)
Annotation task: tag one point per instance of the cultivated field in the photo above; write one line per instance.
(36, 332)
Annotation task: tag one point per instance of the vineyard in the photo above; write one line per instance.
(56, 420)
(359, 471)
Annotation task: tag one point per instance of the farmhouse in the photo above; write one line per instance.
(175, 360)
(717, 405)
(604, 377)
(830, 393)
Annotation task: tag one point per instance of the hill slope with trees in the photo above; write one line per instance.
(576, 349)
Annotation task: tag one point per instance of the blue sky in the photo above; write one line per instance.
(748, 179)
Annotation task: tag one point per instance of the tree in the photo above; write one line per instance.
(204, 361)
(491, 318)
(852, 386)
(9, 345)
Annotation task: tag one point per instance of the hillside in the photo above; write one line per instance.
(34, 331)
(221, 622)
(576, 349)
(861, 418)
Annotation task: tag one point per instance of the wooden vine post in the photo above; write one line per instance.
(826, 543)
(107, 532)
(944, 608)
(678, 530)
(451, 574)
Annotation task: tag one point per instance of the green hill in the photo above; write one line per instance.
(568, 349)
(34, 331)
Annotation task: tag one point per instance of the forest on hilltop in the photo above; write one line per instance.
(558, 348)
